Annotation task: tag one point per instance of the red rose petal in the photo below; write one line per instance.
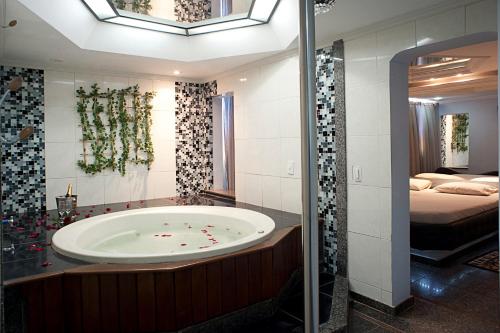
(210, 226)
(108, 209)
(87, 216)
(183, 244)
(34, 235)
(128, 206)
(46, 263)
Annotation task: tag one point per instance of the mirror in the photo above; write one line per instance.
(185, 11)
(455, 140)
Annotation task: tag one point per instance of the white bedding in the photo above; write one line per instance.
(433, 207)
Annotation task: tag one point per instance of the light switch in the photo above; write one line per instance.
(290, 167)
(357, 174)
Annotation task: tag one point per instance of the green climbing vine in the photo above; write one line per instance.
(460, 132)
(112, 119)
(136, 6)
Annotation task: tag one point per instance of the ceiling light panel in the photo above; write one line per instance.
(262, 10)
(146, 25)
(222, 26)
(102, 9)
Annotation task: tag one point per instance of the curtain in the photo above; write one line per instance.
(228, 143)
(414, 141)
(425, 140)
(226, 7)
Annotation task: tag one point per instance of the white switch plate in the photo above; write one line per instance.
(357, 173)
(290, 167)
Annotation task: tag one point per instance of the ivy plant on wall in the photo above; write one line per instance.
(113, 122)
(460, 132)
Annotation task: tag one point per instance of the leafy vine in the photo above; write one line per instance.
(460, 132)
(103, 139)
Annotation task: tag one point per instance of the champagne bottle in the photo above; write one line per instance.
(69, 193)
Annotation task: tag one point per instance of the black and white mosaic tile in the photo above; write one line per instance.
(325, 93)
(194, 136)
(23, 163)
(193, 10)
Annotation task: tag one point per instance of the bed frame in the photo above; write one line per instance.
(437, 242)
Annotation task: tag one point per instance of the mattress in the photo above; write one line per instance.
(432, 207)
(442, 221)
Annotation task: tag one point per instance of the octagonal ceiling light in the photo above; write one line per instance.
(260, 12)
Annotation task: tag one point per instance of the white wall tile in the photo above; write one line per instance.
(90, 190)
(385, 265)
(481, 16)
(363, 115)
(164, 99)
(389, 43)
(59, 89)
(253, 189)
(240, 186)
(364, 255)
(163, 184)
(364, 212)
(290, 153)
(113, 82)
(60, 124)
(86, 80)
(271, 192)
(116, 189)
(60, 160)
(361, 61)
(145, 85)
(441, 26)
(269, 150)
(289, 116)
(164, 156)
(383, 109)
(253, 157)
(365, 289)
(291, 194)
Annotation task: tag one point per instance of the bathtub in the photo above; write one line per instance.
(162, 234)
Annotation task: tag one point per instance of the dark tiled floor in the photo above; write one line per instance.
(290, 317)
(454, 298)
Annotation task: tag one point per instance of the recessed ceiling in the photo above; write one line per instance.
(35, 42)
(456, 74)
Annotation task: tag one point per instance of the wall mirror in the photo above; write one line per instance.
(455, 140)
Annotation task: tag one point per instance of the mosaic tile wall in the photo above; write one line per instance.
(325, 83)
(193, 10)
(194, 136)
(23, 163)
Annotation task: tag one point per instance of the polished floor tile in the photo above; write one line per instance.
(454, 298)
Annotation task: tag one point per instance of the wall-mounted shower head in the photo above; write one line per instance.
(23, 136)
(11, 24)
(15, 84)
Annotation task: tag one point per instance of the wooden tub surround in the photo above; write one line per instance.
(158, 297)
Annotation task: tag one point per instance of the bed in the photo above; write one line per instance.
(443, 223)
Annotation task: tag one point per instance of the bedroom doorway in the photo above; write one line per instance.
(446, 142)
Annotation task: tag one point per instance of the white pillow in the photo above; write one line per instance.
(441, 176)
(467, 188)
(419, 184)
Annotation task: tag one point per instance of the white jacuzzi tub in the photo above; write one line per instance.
(162, 234)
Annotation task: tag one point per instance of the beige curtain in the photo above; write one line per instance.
(414, 142)
(424, 138)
